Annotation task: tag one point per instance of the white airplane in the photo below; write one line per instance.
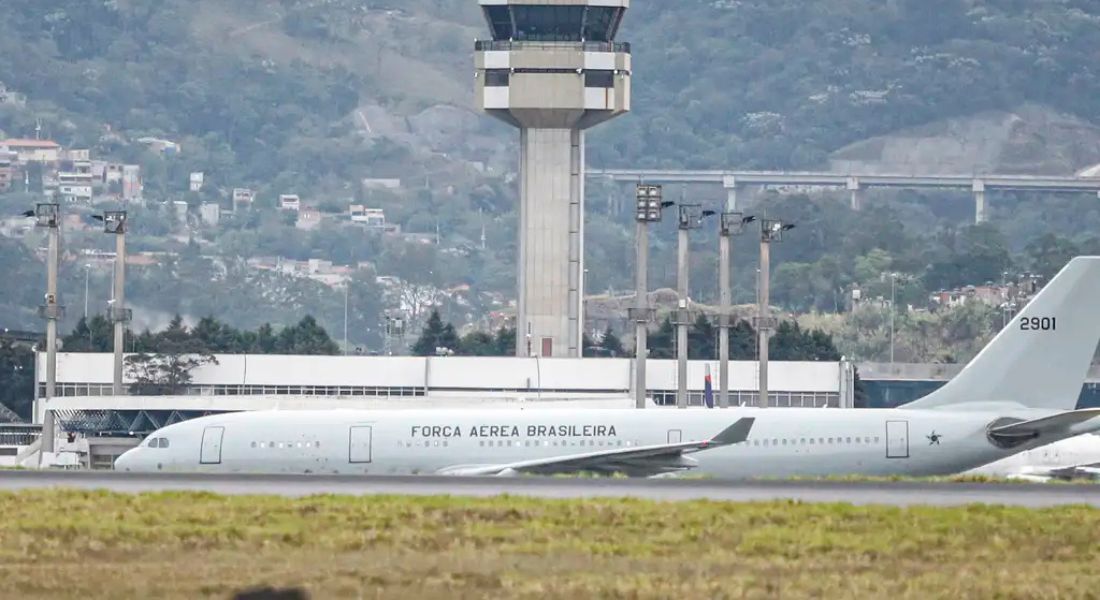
(1075, 458)
(1017, 394)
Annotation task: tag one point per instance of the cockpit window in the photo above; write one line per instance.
(163, 442)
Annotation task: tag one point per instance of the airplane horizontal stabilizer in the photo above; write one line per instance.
(636, 461)
(1064, 424)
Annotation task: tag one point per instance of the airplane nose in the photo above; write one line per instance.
(126, 461)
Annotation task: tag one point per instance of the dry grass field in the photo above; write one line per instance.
(69, 544)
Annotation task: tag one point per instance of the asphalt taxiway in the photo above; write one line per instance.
(870, 492)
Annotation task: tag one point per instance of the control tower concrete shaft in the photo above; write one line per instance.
(552, 69)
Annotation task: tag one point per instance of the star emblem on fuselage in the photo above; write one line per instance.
(934, 439)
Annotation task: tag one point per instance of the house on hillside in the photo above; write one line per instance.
(243, 199)
(7, 172)
(43, 151)
(290, 202)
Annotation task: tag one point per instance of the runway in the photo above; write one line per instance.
(883, 493)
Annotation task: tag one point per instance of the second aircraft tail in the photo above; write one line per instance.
(1040, 359)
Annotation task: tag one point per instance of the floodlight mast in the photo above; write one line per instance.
(771, 230)
(732, 224)
(48, 215)
(115, 223)
(649, 206)
(691, 217)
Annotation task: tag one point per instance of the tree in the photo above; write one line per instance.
(163, 374)
(612, 344)
(90, 335)
(430, 337)
(702, 340)
(306, 337)
(505, 341)
(16, 378)
(477, 343)
(662, 343)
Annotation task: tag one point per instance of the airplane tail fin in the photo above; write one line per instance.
(1040, 359)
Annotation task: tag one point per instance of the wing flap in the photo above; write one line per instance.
(638, 461)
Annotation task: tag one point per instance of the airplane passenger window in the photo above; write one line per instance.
(876, 439)
(253, 444)
(811, 441)
(317, 444)
(848, 440)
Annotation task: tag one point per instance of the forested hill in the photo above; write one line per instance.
(266, 90)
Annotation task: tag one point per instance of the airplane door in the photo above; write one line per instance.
(211, 453)
(359, 441)
(897, 439)
(675, 436)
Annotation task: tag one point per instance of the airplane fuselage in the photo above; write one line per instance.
(782, 442)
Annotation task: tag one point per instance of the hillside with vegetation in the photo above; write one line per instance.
(313, 96)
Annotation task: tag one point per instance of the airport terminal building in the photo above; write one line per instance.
(253, 382)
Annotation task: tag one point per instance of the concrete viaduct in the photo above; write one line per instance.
(856, 184)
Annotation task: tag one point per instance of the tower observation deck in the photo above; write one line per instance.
(553, 69)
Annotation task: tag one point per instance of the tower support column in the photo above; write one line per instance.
(551, 243)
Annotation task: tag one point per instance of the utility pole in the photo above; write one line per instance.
(49, 216)
(114, 223)
(893, 311)
(691, 217)
(649, 207)
(87, 273)
(732, 223)
(771, 230)
(347, 291)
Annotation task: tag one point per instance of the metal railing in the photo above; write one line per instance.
(509, 45)
(19, 435)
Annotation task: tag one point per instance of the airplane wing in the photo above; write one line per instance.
(637, 461)
(1091, 471)
(1070, 422)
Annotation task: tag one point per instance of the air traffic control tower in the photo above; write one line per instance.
(553, 69)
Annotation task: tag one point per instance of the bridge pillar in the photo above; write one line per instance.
(857, 193)
(981, 214)
(730, 183)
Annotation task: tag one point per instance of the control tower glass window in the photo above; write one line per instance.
(543, 23)
(500, 22)
(602, 23)
(549, 23)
